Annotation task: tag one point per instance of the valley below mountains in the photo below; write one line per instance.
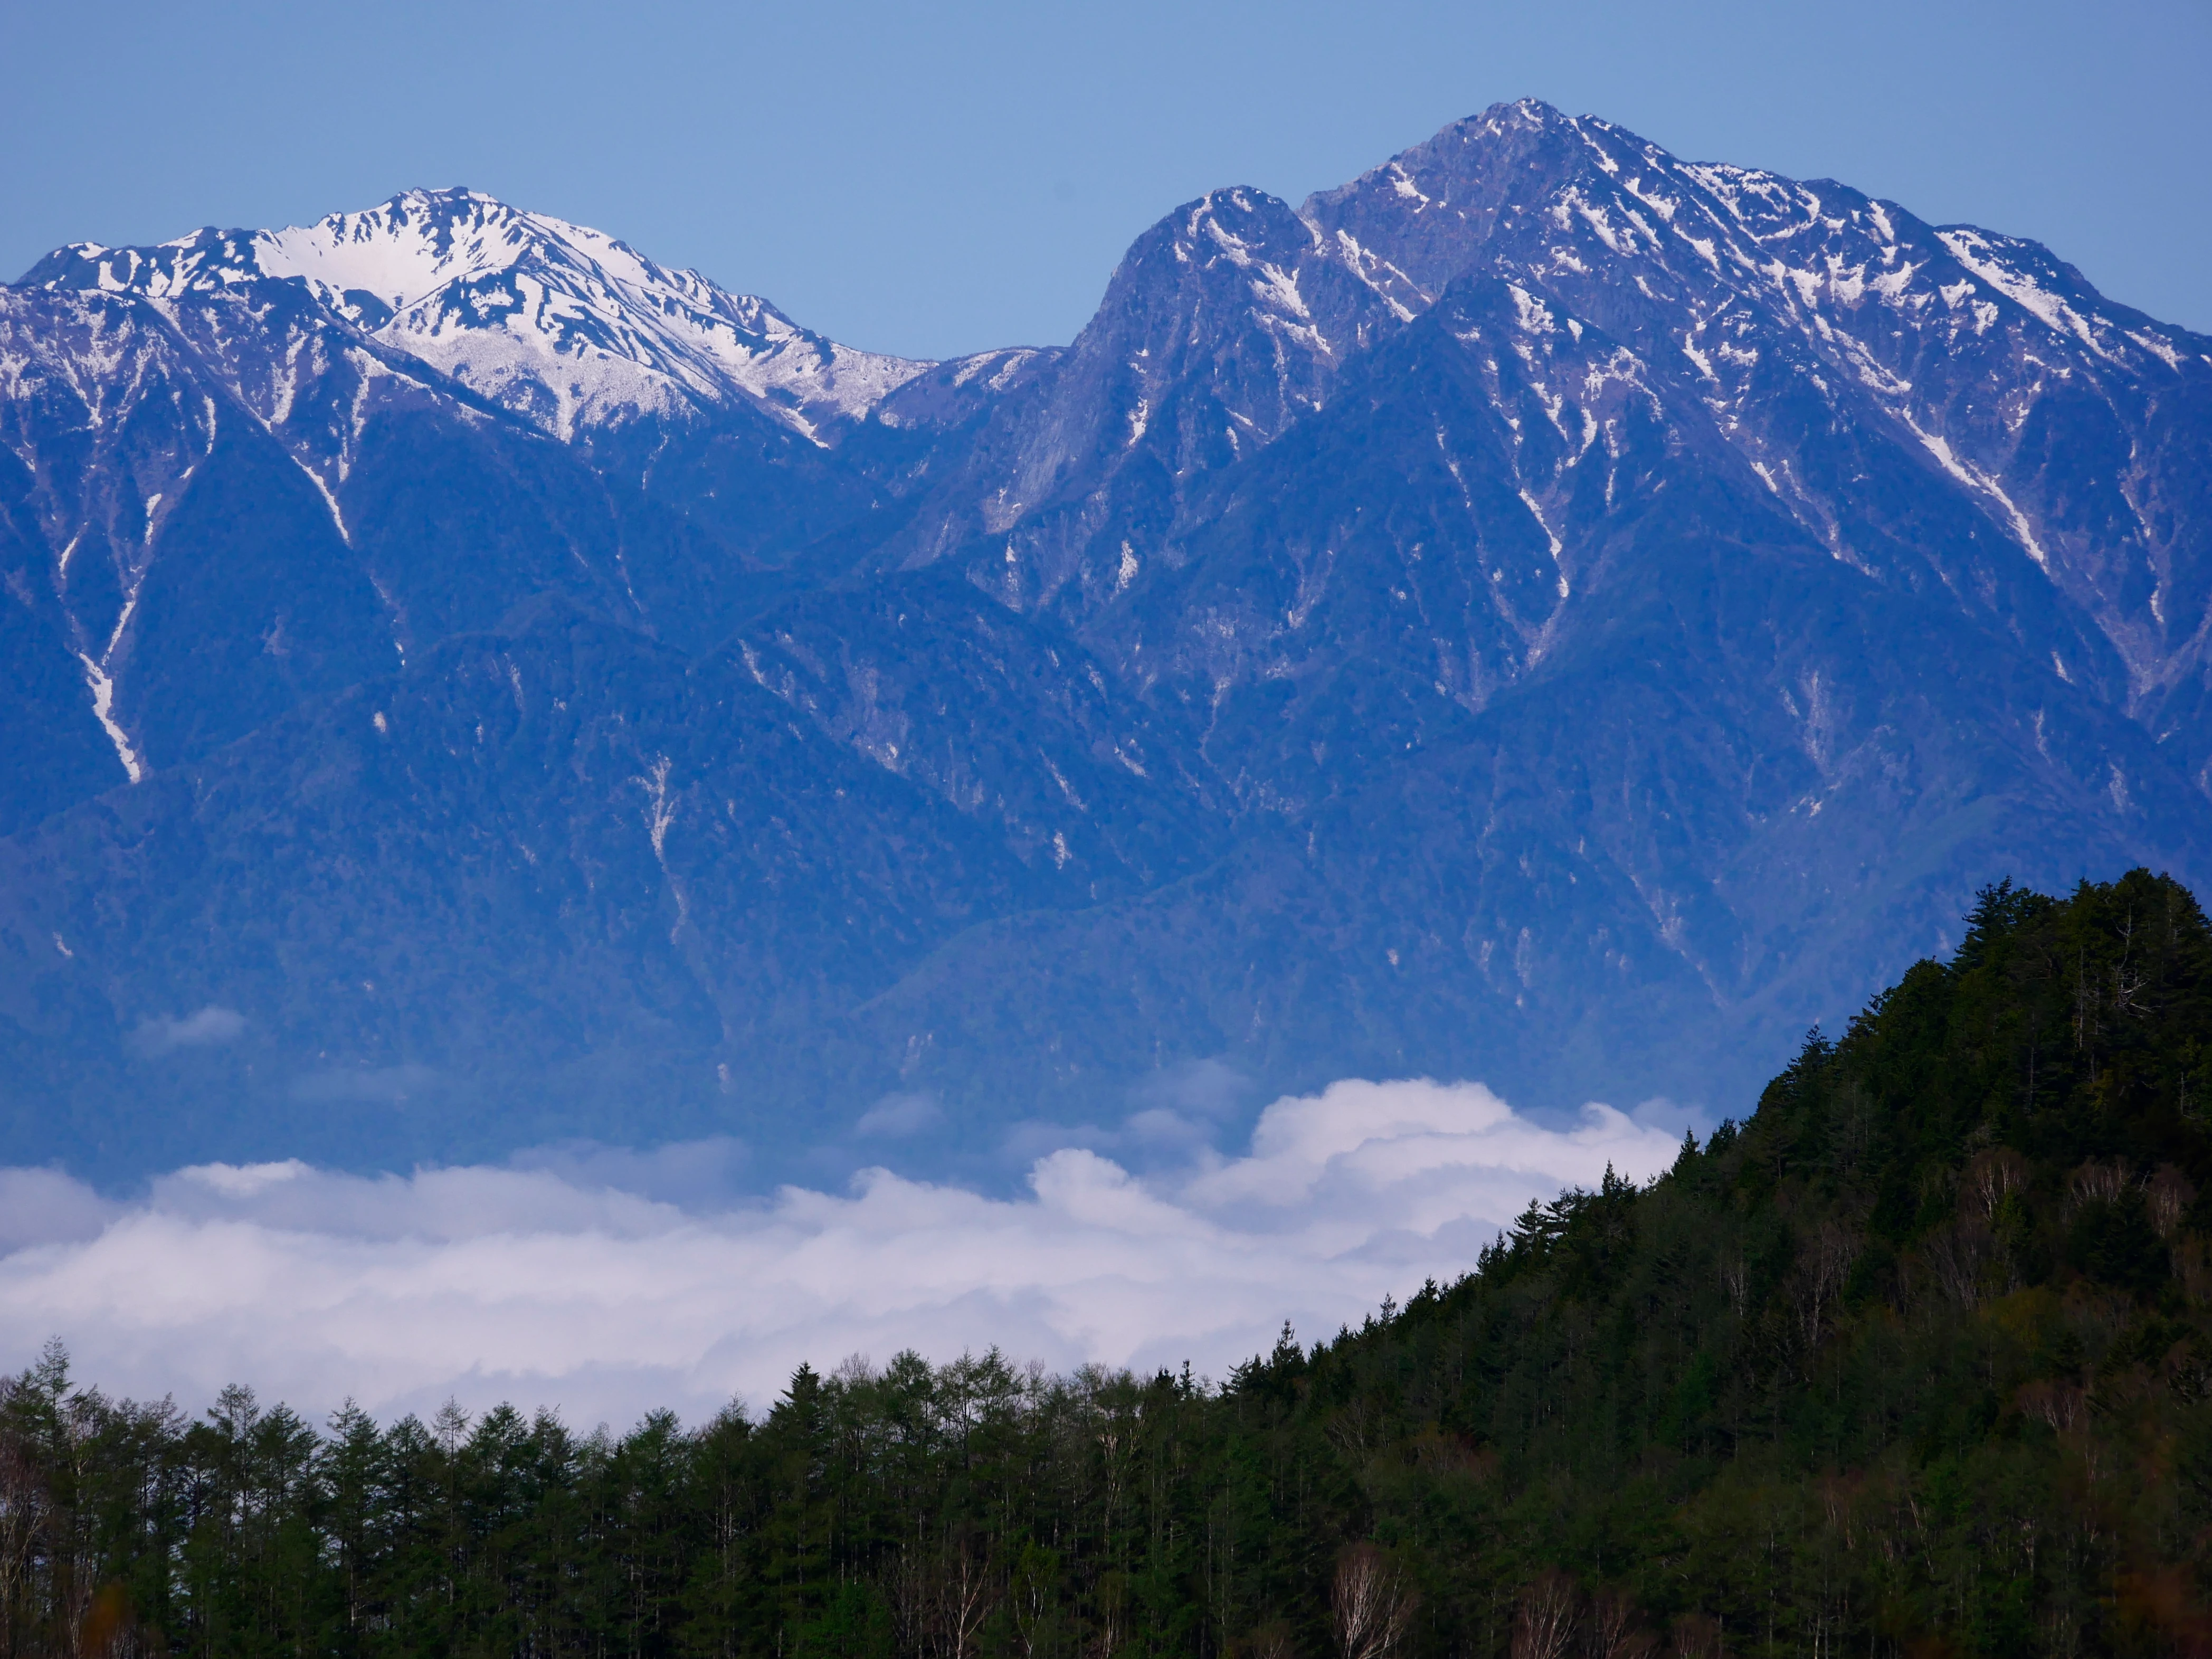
(1544, 612)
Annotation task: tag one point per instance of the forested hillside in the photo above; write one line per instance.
(1917, 1360)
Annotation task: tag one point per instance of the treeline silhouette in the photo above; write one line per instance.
(1916, 1360)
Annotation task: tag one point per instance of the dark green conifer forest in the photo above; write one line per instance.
(1917, 1360)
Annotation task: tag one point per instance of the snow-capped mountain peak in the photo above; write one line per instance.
(403, 251)
(564, 324)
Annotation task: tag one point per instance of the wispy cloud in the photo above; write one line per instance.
(898, 1115)
(596, 1282)
(210, 1028)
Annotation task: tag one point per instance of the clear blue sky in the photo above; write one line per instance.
(931, 179)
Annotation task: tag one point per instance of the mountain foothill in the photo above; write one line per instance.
(1916, 1360)
(1544, 611)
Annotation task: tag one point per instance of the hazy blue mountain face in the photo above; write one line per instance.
(1544, 611)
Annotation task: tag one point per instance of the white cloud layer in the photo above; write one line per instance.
(557, 1280)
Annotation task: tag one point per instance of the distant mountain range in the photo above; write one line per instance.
(1544, 611)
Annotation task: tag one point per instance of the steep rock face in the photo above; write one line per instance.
(1424, 533)
(1224, 323)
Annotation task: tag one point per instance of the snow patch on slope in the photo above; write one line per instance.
(103, 710)
(1983, 254)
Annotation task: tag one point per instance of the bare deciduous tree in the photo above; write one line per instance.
(1993, 1173)
(942, 1596)
(969, 1596)
(1617, 1631)
(1029, 1598)
(2169, 1193)
(1818, 1278)
(1373, 1606)
(1696, 1636)
(1734, 1280)
(2061, 1404)
(1544, 1627)
(1955, 1255)
(2095, 1184)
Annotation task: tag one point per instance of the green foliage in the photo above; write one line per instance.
(1917, 1360)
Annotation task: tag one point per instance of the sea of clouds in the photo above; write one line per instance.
(603, 1285)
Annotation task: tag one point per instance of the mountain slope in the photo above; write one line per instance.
(228, 381)
(553, 865)
(1856, 356)
(1556, 735)
(1544, 611)
(559, 879)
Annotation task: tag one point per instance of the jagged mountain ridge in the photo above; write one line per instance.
(1879, 343)
(563, 325)
(1543, 611)
(1953, 346)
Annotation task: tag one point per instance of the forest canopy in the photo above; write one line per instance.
(1917, 1359)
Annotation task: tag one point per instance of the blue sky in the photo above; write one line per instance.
(935, 177)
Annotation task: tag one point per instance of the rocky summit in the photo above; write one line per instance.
(1544, 611)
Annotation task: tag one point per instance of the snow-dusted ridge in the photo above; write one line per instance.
(1759, 297)
(561, 324)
